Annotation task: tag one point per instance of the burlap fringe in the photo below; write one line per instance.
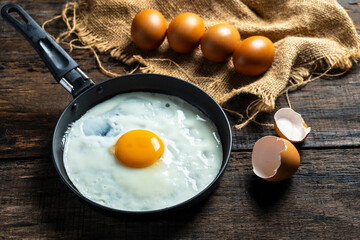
(299, 76)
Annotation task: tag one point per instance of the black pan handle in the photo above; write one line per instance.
(64, 69)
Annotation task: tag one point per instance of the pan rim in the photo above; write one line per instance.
(194, 199)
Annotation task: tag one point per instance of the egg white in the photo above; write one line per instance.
(191, 160)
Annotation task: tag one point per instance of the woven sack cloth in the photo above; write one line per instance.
(307, 35)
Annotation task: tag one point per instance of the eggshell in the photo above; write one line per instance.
(290, 125)
(275, 159)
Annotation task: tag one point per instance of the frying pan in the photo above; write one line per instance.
(86, 95)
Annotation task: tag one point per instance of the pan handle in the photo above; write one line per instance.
(64, 69)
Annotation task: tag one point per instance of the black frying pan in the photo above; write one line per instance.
(86, 95)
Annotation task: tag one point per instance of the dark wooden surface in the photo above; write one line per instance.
(322, 200)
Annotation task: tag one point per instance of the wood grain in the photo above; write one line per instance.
(322, 200)
(334, 120)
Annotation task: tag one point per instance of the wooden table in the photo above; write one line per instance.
(322, 200)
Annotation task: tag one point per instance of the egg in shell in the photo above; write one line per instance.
(274, 158)
(185, 32)
(219, 42)
(148, 29)
(254, 55)
(290, 125)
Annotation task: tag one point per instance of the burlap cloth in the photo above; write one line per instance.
(308, 35)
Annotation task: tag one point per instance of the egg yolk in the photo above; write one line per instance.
(139, 148)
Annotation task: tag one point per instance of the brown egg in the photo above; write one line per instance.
(185, 32)
(253, 55)
(274, 159)
(148, 29)
(219, 42)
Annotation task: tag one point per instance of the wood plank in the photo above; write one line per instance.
(30, 99)
(353, 9)
(331, 107)
(27, 128)
(29, 108)
(322, 200)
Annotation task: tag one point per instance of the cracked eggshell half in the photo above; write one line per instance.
(274, 158)
(290, 125)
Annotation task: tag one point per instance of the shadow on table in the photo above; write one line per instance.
(266, 194)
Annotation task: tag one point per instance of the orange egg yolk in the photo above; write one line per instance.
(139, 148)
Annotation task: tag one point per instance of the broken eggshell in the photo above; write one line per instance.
(274, 158)
(290, 125)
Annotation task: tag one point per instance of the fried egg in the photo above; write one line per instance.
(142, 151)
